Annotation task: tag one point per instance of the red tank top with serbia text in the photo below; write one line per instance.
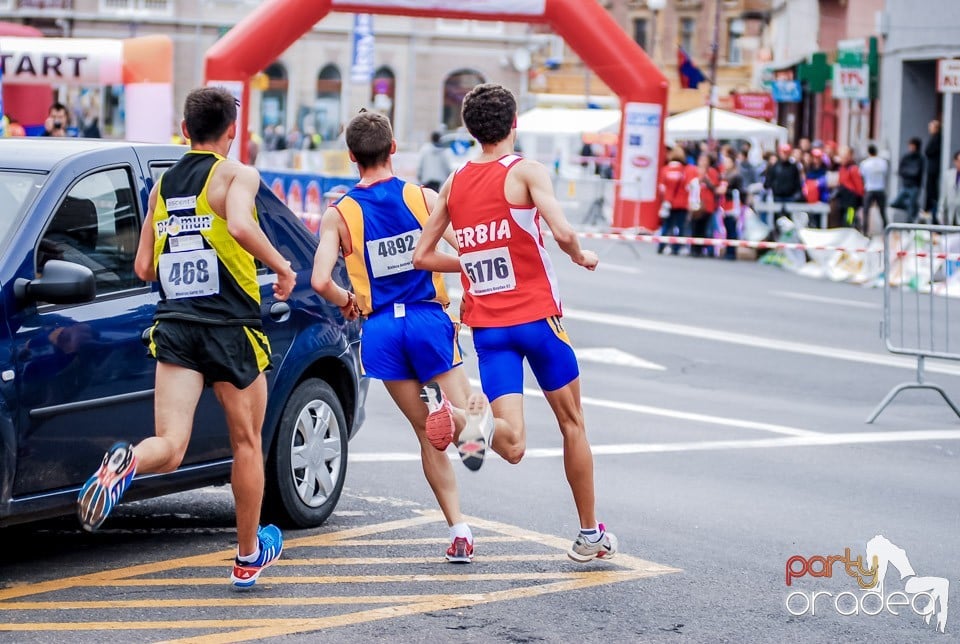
(507, 276)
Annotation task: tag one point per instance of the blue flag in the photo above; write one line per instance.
(690, 75)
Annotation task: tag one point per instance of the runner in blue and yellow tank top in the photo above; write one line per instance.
(408, 340)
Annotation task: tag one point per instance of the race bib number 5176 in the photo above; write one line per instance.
(489, 271)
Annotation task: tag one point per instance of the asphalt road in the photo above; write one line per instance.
(725, 402)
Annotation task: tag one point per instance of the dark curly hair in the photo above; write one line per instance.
(369, 137)
(209, 111)
(489, 112)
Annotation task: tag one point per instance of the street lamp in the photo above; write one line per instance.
(656, 6)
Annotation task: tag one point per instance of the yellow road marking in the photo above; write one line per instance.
(220, 602)
(239, 630)
(385, 561)
(341, 579)
(425, 541)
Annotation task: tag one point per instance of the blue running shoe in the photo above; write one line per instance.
(102, 491)
(271, 547)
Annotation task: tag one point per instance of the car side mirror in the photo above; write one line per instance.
(60, 283)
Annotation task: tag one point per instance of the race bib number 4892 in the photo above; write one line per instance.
(489, 271)
(392, 255)
(190, 274)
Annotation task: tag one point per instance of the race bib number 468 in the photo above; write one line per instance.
(489, 271)
(191, 274)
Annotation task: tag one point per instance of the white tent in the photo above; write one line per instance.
(692, 126)
(556, 120)
(554, 135)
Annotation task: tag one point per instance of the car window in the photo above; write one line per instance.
(157, 169)
(97, 225)
(17, 190)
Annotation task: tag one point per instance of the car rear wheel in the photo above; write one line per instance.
(308, 460)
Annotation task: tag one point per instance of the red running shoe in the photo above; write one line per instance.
(460, 551)
(439, 416)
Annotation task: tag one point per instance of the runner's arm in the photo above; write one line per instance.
(240, 204)
(538, 182)
(426, 257)
(431, 197)
(328, 250)
(143, 265)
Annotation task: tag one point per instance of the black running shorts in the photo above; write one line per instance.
(222, 353)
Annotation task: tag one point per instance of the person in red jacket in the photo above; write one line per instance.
(849, 195)
(709, 180)
(677, 179)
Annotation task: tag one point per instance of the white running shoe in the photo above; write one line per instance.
(478, 432)
(584, 550)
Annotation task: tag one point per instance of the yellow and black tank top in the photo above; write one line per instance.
(205, 275)
(385, 220)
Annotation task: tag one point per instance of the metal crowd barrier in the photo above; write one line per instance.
(919, 264)
(774, 209)
(586, 200)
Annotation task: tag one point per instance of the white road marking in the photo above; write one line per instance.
(716, 335)
(680, 415)
(612, 356)
(851, 438)
(806, 297)
(618, 268)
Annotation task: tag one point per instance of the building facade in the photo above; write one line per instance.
(914, 40)
(421, 67)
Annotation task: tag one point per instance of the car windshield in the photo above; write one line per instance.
(17, 190)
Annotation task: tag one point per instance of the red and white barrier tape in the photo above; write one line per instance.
(743, 243)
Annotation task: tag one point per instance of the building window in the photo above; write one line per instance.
(383, 91)
(687, 27)
(325, 117)
(273, 103)
(454, 89)
(735, 29)
(640, 32)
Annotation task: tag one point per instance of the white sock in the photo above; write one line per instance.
(461, 530)
(592, 535)
(249, 558)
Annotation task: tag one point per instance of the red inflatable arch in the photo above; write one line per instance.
(600, 42)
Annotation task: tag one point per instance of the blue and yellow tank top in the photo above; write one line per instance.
(385, 221)
(205, 275)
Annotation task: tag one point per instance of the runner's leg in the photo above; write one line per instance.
(577, 457)
(509, 440)
(436, 466)
(176, 394)
(244, 410)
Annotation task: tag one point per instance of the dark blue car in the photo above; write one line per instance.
(75, 376)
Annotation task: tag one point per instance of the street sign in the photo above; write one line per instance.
(948, 76)
(851, 53)
(786, 91)
(851, 82)
(755, 105)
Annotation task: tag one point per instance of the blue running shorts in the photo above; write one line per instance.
(418, 343)
(545, 345)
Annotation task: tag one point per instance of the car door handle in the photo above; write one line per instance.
(280, 311)
(145, 336)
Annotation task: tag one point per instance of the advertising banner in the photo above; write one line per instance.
(362, 62)
(518, 7)
(639, 166)
(61, 61)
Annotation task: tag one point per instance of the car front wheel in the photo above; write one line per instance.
(308, 460)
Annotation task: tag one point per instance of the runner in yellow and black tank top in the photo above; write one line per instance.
(205, 275)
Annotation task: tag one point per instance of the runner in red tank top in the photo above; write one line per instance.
(511, 299)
